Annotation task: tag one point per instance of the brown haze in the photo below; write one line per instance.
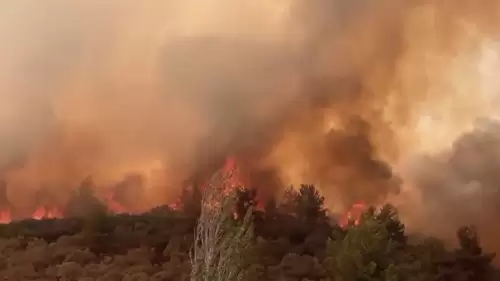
(340, 93)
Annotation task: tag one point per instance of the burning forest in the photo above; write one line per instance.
(128, 104)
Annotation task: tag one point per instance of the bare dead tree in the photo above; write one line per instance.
(221, 243)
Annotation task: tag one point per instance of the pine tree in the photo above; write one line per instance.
(470, 257)
(376, 250)
(310, 205)
(388, 217)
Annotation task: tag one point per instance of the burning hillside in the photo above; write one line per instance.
(138, 101)
(119, 199)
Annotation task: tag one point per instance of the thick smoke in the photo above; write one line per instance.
(146, 97)
(460, 186)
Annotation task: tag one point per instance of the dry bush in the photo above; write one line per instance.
(221, 243)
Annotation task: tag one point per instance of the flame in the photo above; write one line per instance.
(229, 170)
(175, 206)
(232, 179)
(353, 215)
(113, 205)
(46, 213)
(5, 216)
(232, 173)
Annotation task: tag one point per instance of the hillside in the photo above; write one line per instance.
(290, 240)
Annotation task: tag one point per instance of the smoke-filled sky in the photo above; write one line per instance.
(345, 94)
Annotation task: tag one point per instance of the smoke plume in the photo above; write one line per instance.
(146, 97)
(460, 186)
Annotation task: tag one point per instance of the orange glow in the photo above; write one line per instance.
(230, 173)
(353, 215)
(114, 206)
(5, 216)
(46, 213)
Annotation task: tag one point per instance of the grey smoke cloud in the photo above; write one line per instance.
(460, 186)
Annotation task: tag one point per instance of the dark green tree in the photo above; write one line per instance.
(374, 250)
(388, 217)
(307, 205)
(271, 208)
(84, 203)
(468, 262)
(288, 203)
